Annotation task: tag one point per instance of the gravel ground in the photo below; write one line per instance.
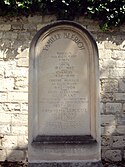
(21, 164)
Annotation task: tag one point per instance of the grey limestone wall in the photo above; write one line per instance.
(16, 34)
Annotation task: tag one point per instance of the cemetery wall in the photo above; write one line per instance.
(15, 37)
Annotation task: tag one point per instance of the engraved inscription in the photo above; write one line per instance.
(63, 85)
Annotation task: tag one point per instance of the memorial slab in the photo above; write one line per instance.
(63, 95)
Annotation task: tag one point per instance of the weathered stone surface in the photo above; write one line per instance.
(112, 155)
(118, 141)
(109, 85)
(106, 141)
(5, 128)
(120, 129)
(113, 107)
(19, 130)
(118, 55)
(19, 119)
(119, 96)
(17, 96)
(122, 85)
(9, 142)
(107, 119)
(5, 27)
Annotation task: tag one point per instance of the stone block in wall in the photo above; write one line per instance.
(120, 118)
(119, 96)
(104, 73)
(17, 96)
(5, 129)
(2, 155)
(35, 19)
(118, 55)
(109, 85)
(112, 155)
(17, 26)
(29, 27)
(19, 119)
(18, 72)
(3, 97)
(9, 142)
(23, 62)
(22, 141)
(19, 130)
(107, 54)
(5, 27)
(120, 64)
(106, 97)
(118, 141)
(117, 73)
(107, 63)
(107, 119)
(9, 35)
(22, 36)
(21, 84)
(111, 45)
(113, 107)
(6, 44)
(110, 129)
(122, 85)
(105, 141)
(120, 129)
(11, 107)
(5, 118)
(6, 84)
(15, 155)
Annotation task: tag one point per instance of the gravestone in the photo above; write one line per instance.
(63, 97)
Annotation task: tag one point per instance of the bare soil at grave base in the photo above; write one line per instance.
(22, 164)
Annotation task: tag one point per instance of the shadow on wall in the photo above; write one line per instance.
(18, 34)
(15, 42)
(16, 158)
(14, 45)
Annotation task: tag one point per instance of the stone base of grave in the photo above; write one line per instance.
(71, 164)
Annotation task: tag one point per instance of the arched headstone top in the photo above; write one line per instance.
(73, 27)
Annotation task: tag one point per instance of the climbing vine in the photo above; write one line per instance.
(109, 13)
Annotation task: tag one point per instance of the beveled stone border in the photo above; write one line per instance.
(85, 139)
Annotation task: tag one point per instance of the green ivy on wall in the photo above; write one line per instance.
(108, 12)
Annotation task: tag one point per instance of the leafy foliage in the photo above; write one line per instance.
(108, 12)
